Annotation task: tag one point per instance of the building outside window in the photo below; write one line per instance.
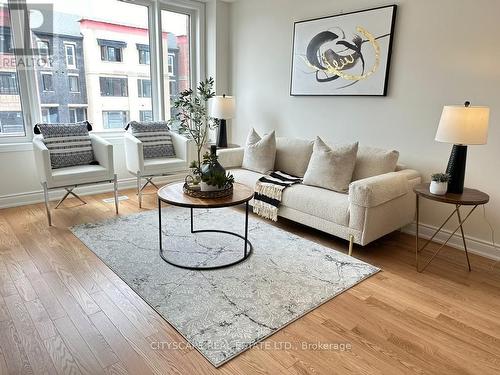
(77, 114)
(47, 82)
(114, 119)
(74, 85)
(144, 88)
(171, 58)
(146, 115)
(111, 86)
(69, 50)
(50, 115)
(143, 50)
(8, 84)
(5, 39)
(111, 50)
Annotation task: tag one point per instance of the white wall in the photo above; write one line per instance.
(444, 52)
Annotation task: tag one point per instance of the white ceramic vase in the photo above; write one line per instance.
(438, 188)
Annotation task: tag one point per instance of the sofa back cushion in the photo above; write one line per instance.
(69, 144)
(331, 167)
(155, 137)
(293, 155)
(260, 153)
(372, 161)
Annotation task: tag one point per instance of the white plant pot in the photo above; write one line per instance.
(207, 187)
(438, 188)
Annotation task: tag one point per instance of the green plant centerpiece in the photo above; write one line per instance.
(213, 175)
(194, 122)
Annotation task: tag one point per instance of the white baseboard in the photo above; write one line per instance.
(474, 245)
(31, 197)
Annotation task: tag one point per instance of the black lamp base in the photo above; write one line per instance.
(222, 134)
(456, 169)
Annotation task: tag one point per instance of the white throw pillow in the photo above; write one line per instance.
(331, 168)
(260, 153)
(293, 155)
(373, 161)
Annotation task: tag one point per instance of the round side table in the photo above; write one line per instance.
(469, 197)
(173, 194)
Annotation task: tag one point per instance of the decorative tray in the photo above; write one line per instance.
(214, 194)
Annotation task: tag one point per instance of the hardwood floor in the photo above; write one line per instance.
(62, 311)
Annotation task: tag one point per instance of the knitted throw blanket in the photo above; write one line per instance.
(268, 192)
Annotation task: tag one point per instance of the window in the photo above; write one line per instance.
(43, 48)
(11, 123)
(143, 50)
(171, 64)
(176, 55)
(113, 86)
(11, 112)
(144, 88)
(111, 50)
(8, 84)
(69, 50)
(74, 85)
(77, 114)
(5, 38)
(50, 115)
(146, 115)
(114, 119)
(47, 83)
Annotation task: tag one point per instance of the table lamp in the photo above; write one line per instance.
(462, 126)
(222, 108)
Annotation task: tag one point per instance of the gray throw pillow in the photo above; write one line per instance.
(260, 153)
(155, 137)
(69, 144)
(331, 167)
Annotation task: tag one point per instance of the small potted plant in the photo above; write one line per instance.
(439, 183)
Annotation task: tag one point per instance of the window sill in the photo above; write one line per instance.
(16, 147)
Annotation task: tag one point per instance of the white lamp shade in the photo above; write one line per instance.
(222, 107)
(463, 125)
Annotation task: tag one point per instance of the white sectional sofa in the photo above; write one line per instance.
(374, 206)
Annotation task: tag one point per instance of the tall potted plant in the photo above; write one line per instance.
(193, 119)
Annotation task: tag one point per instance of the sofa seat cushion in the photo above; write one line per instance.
(315, 201)
(158, 166)
(245, 177)
(79, 174)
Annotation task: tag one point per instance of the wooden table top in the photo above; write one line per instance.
(173, 194)
(470, 197)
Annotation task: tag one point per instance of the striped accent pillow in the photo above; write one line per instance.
(68, 144)
(156, 139)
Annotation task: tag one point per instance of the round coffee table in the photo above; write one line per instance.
(173, 194)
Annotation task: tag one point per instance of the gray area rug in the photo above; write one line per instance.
(222, 312)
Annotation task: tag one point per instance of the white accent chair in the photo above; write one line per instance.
(68, 178)
(149, 168)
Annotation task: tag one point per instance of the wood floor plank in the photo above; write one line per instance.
(15, 357)
(98, 345)
(31, 342)
(443, 321)
(41, 319)
(130, 359)
(63, 361)
(78, 348)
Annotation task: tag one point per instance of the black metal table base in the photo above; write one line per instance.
(247, 245)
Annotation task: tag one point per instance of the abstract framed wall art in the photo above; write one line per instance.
(346, 54)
